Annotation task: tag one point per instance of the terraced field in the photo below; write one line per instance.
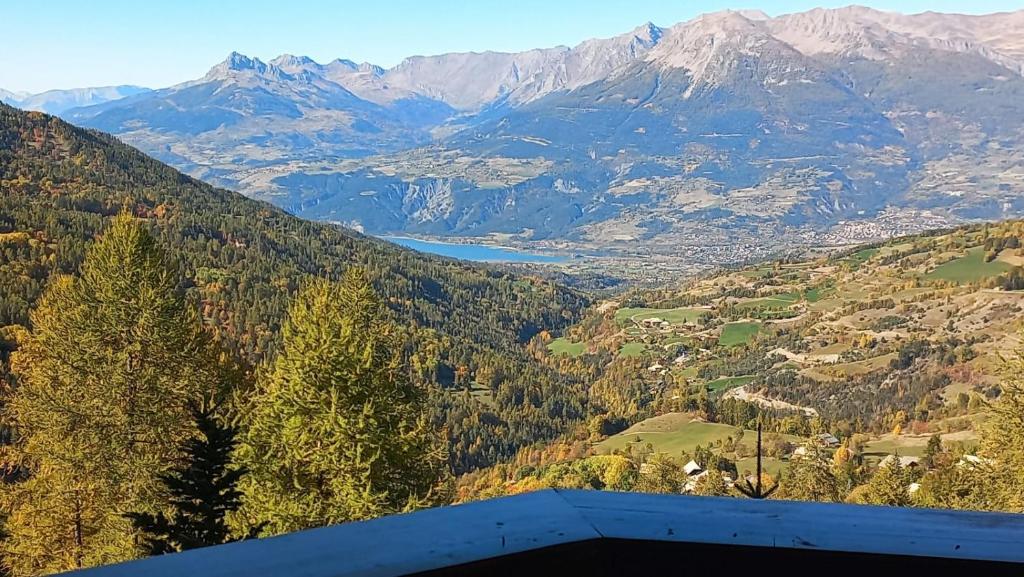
(969, 268)
(740, 333)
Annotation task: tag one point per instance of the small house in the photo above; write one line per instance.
(827, 440)
(692, 468)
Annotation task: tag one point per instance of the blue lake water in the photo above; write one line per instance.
(475, 252)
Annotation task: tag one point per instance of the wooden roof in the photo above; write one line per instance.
(434, 539)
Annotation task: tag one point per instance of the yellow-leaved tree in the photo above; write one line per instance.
(100, 404)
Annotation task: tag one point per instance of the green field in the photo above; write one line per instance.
(674, 316)
(734, 334)
(674, 433)
(632, 350)
(912, 445)
(969, 268)
(779, 301)
(671, 434)
(563, 346)
(860, 257)
(818, 293)
(723, 383)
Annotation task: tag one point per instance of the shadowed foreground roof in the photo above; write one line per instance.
(605, 533)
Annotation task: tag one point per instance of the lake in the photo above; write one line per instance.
(474, 252)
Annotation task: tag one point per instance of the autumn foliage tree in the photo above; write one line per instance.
(104, 381)
(335, 430)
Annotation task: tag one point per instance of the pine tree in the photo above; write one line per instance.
(810, 478)
(889, 485)
(101, 403)
(711, 484)
(660, 474)
(202, 491)
(1003, 441)
(335, 430)
(931, 451)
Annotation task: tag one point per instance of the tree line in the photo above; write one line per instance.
(134, 432)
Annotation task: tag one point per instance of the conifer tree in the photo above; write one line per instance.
(1003, 441)
(202, 491)
(335, 430)
(810, 478)
(103, 382)
(711, 484)
(889, 485)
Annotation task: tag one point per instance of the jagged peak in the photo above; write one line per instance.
(371, 68)
(344, 62)
(237, 62)
(286, 61)
(648, 32)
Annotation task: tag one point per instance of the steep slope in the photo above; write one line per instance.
(61, 184)
(242, 259)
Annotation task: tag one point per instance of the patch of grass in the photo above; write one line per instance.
(563, 346)
(779, 301)
(675, 316)
(676, 340)
(913, 445)
(687, 373)
(860, 257)
(675, 433)
(826, 304)
(734, 334)
(818, 293)
(671, 436)
(481, 393)
(723, 383)
(756, 273)
(969, 268)
(769, 465)
(851, 369)
(632, 350)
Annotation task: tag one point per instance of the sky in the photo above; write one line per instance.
(75, 43)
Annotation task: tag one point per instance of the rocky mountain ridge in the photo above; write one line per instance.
(731, 127)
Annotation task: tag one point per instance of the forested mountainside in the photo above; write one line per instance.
(243, 259)
(732, 134)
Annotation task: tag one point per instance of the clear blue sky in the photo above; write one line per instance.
(72, 43)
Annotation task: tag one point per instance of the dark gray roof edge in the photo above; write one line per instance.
(448, 536)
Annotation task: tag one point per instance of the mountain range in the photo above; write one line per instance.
(718, 139)
(59, 101)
